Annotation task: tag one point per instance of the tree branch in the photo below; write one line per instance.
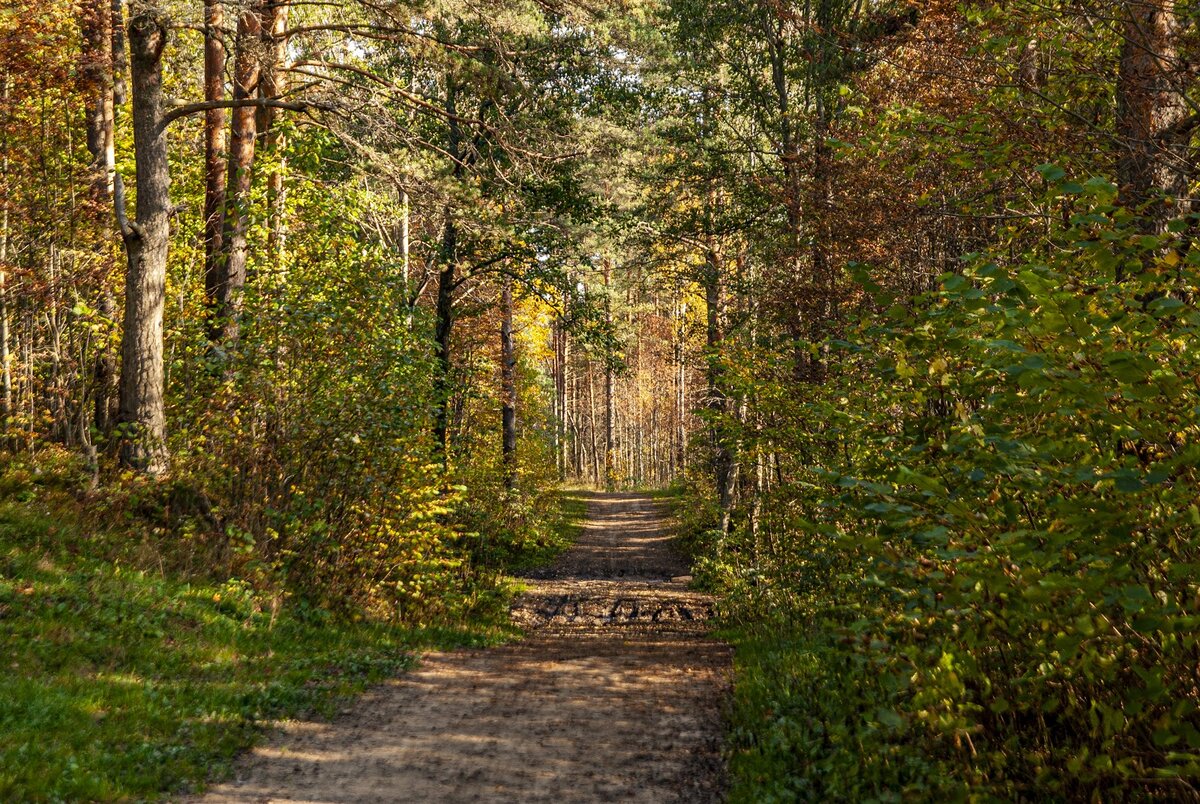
(204, 106)
(128, 228)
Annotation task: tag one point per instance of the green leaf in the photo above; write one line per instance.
(1051, 173)
(889, 717)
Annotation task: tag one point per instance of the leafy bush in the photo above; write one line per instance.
(996, 520)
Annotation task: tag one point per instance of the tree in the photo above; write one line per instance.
(508, 386)
(96, 68)
(230, 279)
(147, 237)
(215, 165)
(1154, 121)
(141, 415)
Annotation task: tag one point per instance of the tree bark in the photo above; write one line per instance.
(406, 257)
(214, 162)
(5, 355)
(724, 467)
(563, 359)
(96, 71)
(231, 276)
(142, 418)
(447, 280)
(1153, 123)
(610, 478)
(120, 53)
(6, 382)
(790, 161)
(819, 298)
(592, 420)
(680, 456)
(444, 333)
(96, 68)
(508, 387)
(104, 371)
(273, 84)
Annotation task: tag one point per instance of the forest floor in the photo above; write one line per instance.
(616, 694)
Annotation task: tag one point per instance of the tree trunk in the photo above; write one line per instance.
(575, 406)
(821, 296)
(563, 358)
(406, 257)
(680, 455)
(444, 332)
(96, 69)
(595, 434)
(214, 161)
(120, 54)
(790, 160)
(724, 467)
(231, 276)
(5, 356)
(757, 480)
(272, 85)
(142, 418)
(1154, 126)
(96, 72)
(610, 477)
(6, 382)
(609, 470)
(447, 280)
(508, 386)
(106, 410)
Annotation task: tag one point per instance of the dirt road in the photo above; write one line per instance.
(614, 696)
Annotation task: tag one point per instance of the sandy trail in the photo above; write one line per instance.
(615, 695)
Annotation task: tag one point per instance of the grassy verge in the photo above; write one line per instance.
(121, 682)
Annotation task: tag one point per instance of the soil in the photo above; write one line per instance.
(615, 695)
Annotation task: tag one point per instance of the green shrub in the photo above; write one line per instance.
(997, 515)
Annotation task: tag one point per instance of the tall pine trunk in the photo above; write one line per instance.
(120, 53)
(680, 455)
(96, 72)
(272, 85)
(231, 276)
(214, 161)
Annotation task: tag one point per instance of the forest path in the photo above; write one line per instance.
(615, 695)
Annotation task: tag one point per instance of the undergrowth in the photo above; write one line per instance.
(129, 676)
(976, 579)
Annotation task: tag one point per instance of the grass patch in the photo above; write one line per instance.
(123, 683)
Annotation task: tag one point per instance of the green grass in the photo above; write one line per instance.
(120, 683)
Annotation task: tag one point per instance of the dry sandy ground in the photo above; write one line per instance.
(615, 695)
